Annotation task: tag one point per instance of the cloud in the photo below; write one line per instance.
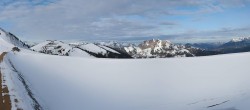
(122, 27)
(168, 23)
(220, 35)
(101, 19)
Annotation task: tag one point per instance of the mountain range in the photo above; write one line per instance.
(154, 48)
(235, 45)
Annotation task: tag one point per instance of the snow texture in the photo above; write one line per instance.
(202, 83)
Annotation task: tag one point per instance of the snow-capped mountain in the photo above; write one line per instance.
(241, 39)
(59, 48)
(241, 44)
(53, 48)
(147, 49)
(158, 48)
(77, 49)
(206, 46)
(237, 42)
(114, 44)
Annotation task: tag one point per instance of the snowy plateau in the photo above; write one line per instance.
(72, 78)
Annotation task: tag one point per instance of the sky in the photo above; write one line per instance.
(126, 20)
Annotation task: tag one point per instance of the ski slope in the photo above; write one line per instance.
(71, 83)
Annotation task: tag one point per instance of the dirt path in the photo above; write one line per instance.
(5, 102)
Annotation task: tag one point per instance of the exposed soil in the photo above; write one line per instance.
(5, 102)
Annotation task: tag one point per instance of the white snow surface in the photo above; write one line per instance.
(203, 83)
(75, 52)
(109, 49)
(5, 46)
(93, 48)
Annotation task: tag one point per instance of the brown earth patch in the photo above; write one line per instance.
(5, 102)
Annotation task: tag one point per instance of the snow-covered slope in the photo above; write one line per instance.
(102, 51)
(11, 40)
(94, 48)
(76, 52)
(203, 83)
(4, 45)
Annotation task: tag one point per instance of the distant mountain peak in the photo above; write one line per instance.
(155, 43)
(240, 39)
(157, 48)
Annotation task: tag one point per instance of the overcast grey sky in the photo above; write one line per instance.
(125, 20)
